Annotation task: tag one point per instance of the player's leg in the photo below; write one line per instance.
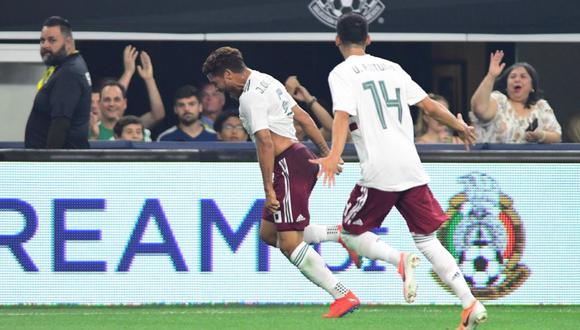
(445, 266)
(313, 267)
(310, 263)
(294, 178)
(366, 210)
(314, 234)
(424, 216)
(268, 233)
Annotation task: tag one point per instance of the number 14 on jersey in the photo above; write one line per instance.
(389, 102)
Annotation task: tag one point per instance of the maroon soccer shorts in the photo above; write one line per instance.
(294, 179)
(367, 208)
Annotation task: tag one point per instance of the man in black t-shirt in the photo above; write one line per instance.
(60, 114)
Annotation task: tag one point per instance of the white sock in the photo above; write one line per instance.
(445, 266)
(314, 268)
(370, 245)
(314, 234)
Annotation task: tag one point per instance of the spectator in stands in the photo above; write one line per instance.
(229, 128)
(95, 98)
(573, 129)
(113, 101)
(521, 114)
(301, 94)
(429, 130)
(60, 113)
(129, 128)
(213, 101)
(188, 108)
(95, 118)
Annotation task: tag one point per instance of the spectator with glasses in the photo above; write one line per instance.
(229, 128)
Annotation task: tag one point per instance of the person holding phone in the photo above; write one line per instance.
(508, 107)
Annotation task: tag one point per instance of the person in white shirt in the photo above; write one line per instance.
(267, 112)
(371, 97)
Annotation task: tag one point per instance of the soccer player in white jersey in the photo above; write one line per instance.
(267, 112)
(371, 97)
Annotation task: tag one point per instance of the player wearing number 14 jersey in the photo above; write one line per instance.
(371, 97)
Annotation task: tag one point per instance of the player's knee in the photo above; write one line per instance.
(350, 240)
(268, 237)
(288, 246)
(423, 238)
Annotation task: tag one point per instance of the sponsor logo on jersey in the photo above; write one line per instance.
(328, 12)
(486, 236)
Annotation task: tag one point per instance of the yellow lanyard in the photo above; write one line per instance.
(45, 77)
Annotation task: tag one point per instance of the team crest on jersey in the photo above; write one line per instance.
(328, 11)
(486, 236)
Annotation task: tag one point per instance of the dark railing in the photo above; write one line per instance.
(115, 151)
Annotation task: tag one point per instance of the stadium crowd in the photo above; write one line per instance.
(507, 107)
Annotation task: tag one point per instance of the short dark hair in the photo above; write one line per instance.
(222, 59)
(186, 91)
(65, 27)
(124, 121)
(209, 83)
(352, 28)
(535, 95)
(220, 120)
(113, 83)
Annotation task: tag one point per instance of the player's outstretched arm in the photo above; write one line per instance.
(330, 164)
(444, 116)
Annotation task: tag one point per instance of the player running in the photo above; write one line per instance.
(267, 112)
(371, 97)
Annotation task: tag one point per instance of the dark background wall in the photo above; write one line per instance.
(179, 63)
(432, 64)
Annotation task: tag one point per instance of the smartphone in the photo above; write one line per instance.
(533, 126)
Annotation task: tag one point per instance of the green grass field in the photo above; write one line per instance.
(274, 317)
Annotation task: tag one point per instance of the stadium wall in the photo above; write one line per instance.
(146, 231)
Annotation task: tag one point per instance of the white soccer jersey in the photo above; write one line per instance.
(265, 103)
(377, 94)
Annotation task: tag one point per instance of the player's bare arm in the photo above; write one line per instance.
(443, 115)
(311, 130)
(266, 154)
(329, 165)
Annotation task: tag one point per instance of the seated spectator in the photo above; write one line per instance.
(213, 101)
(129, 128)
(519, 116)
(301, 94)
(429, 130)
(187, 107)
(573, 129)
(113, 100)
(229, 128)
